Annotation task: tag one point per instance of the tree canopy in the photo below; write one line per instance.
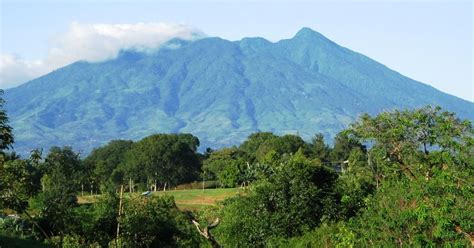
(6, 131)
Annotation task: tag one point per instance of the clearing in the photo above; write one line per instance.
(189, 199)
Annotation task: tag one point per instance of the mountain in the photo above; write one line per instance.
(219, 90)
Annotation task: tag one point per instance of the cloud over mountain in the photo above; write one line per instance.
(93, 43)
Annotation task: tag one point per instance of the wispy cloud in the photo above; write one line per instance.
(91, 42)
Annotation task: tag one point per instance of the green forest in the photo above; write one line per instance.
(402, 178)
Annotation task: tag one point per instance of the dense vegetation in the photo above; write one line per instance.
(401, 178)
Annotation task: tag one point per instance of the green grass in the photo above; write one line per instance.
(192, 199)
(197, 198)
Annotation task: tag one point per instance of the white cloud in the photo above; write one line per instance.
(14, 70)
(93, 42)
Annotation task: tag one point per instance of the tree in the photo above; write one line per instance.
(295, 199)
(224, 165)
(355, 184)
(419, 213)
(62, 166)
(282, 145)
(6, 131)
(343, 145)
(15, 185)
(156, 222)
(191, 140)
(319, 149)
(36, 155)
(35, 161)
(102, 161)
(97, 223)
(415, 142)
(165, 158)
(60, 184)
(425, 174)
(253, 142)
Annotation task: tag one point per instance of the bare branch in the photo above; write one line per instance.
(205, 232)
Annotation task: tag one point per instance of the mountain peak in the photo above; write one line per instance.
(307, 33)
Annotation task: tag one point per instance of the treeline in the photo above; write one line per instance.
(166, 160)
(162, 161)
(157, 161)
(402, 178)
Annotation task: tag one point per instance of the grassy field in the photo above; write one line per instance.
(193, 199)
(197, 198)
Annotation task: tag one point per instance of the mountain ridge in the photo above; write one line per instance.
(219, 90)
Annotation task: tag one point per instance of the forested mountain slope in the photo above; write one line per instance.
(218, 90)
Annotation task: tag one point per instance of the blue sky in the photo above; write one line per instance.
(428, 41)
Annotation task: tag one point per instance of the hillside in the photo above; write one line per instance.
(219, 90)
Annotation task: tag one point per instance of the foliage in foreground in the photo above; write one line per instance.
(404, 179)
(421, 165)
